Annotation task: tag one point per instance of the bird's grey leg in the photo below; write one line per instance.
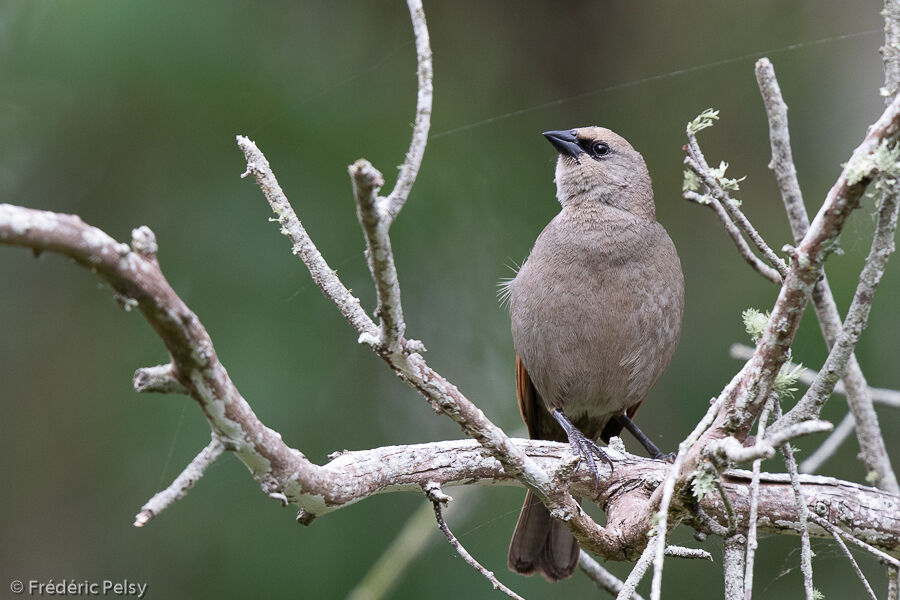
(651, 448)
(583, 446)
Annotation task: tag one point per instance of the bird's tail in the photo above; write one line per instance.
(541, 544)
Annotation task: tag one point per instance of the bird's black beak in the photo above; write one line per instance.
(565, 141)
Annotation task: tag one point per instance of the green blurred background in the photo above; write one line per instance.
(125, 113)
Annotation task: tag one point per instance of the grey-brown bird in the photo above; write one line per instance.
(596, 316)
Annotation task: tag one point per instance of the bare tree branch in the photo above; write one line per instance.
(605, 580)
(735, 234)
(160, 379)
(637, 572)
(438, 499)
(182, 484)
(874, 454)
(893, 583)
(136, 276)
(803, 513)
(831, 444)
(745, 395)
(832, 529)
(302, 245)
(809, 406)
(410, 169)
(856, 569)
(691, 553)
(373, 218)
(782, 163)
(734, 551)
(735, 452)
(752, 541)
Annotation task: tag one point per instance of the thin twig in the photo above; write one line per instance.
(637, 572)
(830, 446)
(697, 163)
(734, 233)
(890, 52)
(159, 379)
(410, 168)
(729, 510)
(735, 452)
(604, 580)
(184, 482)
(854, 564)
(803, 513)
(782, 163)
(438, 499)
(834, 529)
(752, 541)
(691, 553)
(743, 223)
(668, 489)
(373, 219)
(302, 245)
(707, 522)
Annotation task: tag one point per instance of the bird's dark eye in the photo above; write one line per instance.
(599, 149)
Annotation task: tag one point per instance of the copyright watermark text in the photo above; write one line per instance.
(78, 587)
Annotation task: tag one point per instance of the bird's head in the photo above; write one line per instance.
(596, 165)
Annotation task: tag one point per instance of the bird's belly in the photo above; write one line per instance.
(596, 349)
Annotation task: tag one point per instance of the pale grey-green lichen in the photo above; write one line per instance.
(858, 168)
(703, 482)
(703, 120)
(727, 184)
(691, 182)
(755, 323)
(786, 379)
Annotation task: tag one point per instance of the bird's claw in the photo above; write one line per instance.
(584, 447)
(587, 449)
(669, 457)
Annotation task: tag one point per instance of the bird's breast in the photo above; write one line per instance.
(596, 314)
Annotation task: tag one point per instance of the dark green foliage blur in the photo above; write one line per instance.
(125, 113)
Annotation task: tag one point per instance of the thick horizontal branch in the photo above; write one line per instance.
(359, 474)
